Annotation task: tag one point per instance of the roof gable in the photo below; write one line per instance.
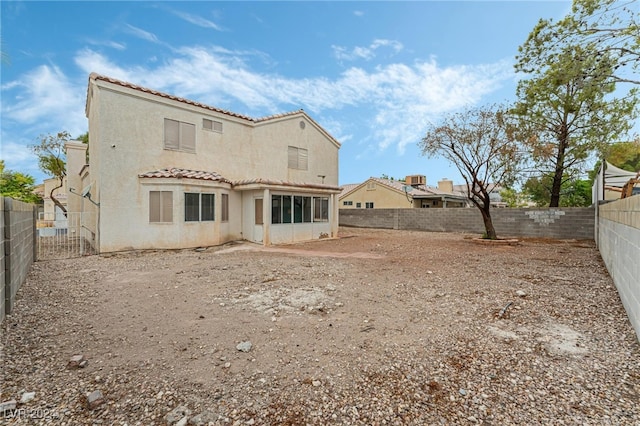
(420, 191)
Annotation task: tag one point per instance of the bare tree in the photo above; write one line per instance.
(480, 143)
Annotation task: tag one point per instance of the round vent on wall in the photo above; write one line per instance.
(302, 124)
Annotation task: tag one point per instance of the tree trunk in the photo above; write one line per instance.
(556, 187)
(489, 230)
(55, 200)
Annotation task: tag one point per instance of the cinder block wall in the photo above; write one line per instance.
(18, 249)
(3, 291)
(560, 223)
(619, 244)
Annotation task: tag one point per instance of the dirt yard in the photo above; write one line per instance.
(377, 327)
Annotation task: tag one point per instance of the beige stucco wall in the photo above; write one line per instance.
(60, 194)
(269, 151)
(384, 197)
(76, 153)
(381, 196)
(131, 228)
(241, 151)
(126, 127)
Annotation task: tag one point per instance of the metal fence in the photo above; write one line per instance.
(63, 237)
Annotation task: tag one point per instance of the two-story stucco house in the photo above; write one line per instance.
(166, 172)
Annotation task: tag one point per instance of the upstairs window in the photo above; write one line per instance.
(212, 125)
(298, 158)
(368, 205)
(179, 136)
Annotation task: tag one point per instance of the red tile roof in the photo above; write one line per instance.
(184, 173)
(177, 173)
(348, 188)
(276, 182)
(95, 76)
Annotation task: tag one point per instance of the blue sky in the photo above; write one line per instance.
(371, 73)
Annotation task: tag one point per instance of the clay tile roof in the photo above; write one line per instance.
(184, 173)
(285, 183)
(284, 114)
(347, 188)
(95, 76)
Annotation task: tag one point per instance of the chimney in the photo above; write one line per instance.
(445, 185)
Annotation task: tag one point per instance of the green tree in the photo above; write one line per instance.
(512, 197)
(566, 113)
(625, 155)
(84, 138)
(609, 28)
(574, 192)
(52, 160)
(480, 143)
(17, 185)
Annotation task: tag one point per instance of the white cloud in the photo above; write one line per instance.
(40, 102)
(140, 33)
(197, 20)
(44, 97)
(392, 103)
(358, 13)
(399, 98)
(15, 153)
(108, 43)
(366, 53)
(90, 61)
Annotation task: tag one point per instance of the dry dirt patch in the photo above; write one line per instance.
(378, 327)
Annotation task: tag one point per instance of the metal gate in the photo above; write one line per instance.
(64, 237)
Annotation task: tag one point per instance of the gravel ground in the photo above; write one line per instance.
(378, 327)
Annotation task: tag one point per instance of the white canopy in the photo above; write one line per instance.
(614, 176)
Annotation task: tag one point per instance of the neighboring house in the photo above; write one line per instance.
(167, 172)
(378, 193)
(51, 212)
(494, 194)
